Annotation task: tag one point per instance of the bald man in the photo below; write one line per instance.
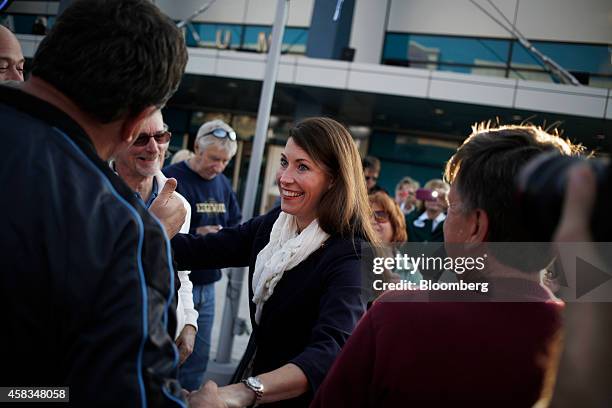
(11, 57)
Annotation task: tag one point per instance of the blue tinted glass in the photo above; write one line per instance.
(573, 57)
(430, 50)
(23, 23)
(212, 35)
(254, 35)
(396, 46)
(230, 36)
(489, 56)
(294, 40)
(459, 50)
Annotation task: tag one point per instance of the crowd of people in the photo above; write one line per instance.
(109, 259)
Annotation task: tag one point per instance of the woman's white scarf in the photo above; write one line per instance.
(285, 250)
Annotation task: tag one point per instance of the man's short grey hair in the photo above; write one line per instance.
(204, 139)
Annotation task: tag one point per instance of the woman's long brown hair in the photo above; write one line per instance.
(344, 208)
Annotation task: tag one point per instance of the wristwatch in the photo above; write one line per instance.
(255, 385)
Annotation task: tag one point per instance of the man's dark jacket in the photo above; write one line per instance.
(86, 281)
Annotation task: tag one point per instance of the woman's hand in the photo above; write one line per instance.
(283, 383)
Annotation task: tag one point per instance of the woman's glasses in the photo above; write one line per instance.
(380, 216)
(160, 137)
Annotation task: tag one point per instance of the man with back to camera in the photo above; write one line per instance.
(140, 167)
(407, 350)
(86, 272)
(213, 206)
(11, 57)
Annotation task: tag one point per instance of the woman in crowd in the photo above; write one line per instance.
(304, 267)
(428, 227)
(405, 195)
(390, 226)
(389, 221)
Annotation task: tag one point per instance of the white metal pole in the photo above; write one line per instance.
(236, 276)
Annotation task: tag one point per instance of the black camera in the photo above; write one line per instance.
(541, 190)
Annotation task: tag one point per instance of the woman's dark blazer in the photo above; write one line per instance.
(313, 309)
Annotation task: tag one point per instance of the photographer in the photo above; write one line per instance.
(585, 371)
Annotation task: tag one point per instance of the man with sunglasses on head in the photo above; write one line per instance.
(214, 205)
(140, 167)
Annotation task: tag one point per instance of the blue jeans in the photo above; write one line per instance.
(191, 373)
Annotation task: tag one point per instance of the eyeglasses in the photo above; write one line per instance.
(222, 134)
(161, 137)
(380, 216)
(373, 178)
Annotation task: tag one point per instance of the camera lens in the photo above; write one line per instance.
(541, 191)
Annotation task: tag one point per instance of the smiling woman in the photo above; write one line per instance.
(304, 267)
(301, 182)
(343, 207)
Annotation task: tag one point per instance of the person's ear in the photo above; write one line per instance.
(131, 126)
(332, 181)
(479, 230)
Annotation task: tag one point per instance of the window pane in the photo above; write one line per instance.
(459, 50)
(295, 40)
(594, 59)
(254, 37)
(427, 51)
(213, 35)
(396, 47)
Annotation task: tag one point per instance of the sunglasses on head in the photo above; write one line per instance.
(222, 134)
(161, 137)
(380, 216)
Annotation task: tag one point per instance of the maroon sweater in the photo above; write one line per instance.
(444, 354)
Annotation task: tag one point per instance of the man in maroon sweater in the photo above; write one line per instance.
(474, 350)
